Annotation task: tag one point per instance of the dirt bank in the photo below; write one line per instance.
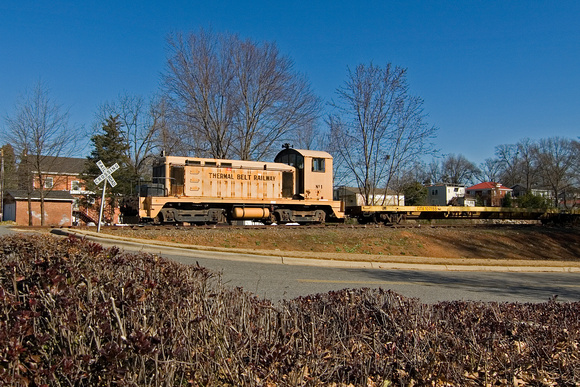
(505, 242)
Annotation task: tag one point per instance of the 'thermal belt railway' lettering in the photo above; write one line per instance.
(240, 176)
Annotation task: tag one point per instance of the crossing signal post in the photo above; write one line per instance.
(105, 176)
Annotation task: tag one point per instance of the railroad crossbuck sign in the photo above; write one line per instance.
(106, 173)
(106, 177)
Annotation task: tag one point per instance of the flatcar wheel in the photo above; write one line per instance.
(367, 218)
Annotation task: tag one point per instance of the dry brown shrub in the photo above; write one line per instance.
(74, 313)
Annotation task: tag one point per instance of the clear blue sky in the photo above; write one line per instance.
(490, 72)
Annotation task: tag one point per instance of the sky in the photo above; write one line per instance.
(489, 72)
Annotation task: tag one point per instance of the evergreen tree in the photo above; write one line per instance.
(110, 148)
(507, 200)
(415, 194)
(529, 200)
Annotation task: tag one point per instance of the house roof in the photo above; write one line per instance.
(62, 165)
(18, 194)
(488, 185)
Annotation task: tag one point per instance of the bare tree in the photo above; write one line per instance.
(171, 135)
(457, 169)
(576, 146)
(309, 136)
(434, 172)
(273, 99)
(518, 164)
(489, 170)
(199, 83)
(141, 122)
(557, 159)
(509, 161)
(40, 131)
(528, 167)
(235, 97)
(407, 141)
(377, 127)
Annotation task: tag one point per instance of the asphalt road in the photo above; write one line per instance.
(268, 278)
(278, 281)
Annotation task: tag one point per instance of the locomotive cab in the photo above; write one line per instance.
(313, 176)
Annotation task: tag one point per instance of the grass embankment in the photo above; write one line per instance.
(74, 313)
(506, 242)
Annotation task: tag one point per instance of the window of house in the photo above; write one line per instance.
(317, 165)
(75, 186)
(48, 182)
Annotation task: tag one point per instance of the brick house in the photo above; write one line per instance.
(64, 174)
(490, 193)
(61, 174)
(58, 207)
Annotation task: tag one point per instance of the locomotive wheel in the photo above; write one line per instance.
(217, 215)
(270, 220)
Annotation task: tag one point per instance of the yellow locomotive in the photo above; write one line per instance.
(296, 188)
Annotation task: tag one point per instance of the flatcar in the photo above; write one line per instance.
(399, 214)
(296, 188)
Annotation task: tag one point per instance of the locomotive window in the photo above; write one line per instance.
(226, 165)
(317, 165)
(159, 172)
(292, 159)
(210, 164)
(192, 162)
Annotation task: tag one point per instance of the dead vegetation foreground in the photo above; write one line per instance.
(505, 242)
(74, 313)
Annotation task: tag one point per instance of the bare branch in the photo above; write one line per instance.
(378, 127)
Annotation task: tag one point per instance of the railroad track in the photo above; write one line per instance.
(331, 226)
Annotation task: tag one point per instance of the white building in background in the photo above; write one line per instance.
(448, 195)
(351, 196)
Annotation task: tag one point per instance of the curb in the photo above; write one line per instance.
(313, 259)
